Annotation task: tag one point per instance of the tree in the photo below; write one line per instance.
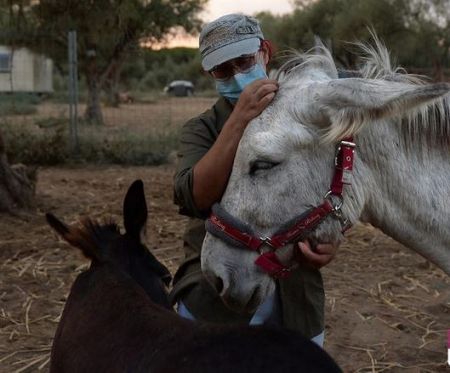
(416, 31)
(17, 184)
(431, 19)
(107, 30)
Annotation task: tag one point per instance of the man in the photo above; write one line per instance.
(235, 53)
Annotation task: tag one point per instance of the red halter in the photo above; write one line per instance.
(225, 227)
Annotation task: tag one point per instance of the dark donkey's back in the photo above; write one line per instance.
(118, 318)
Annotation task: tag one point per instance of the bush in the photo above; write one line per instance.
(18, 104)
(49, 145)
(126, 148)
(28, 145)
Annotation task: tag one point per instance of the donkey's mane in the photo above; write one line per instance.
(429, 124)
(376, 64)
(297, 63)
(100, 231)
(92, 237)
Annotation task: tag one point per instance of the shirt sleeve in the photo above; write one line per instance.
(197, 137)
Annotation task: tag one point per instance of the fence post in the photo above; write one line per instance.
(73, 90)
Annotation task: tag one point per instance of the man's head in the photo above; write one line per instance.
(234, 52)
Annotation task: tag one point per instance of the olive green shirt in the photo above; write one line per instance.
(301, 295)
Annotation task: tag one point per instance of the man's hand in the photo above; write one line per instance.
(212, 171)
(320, 256)
(254, 99)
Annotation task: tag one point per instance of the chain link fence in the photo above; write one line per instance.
(43, 106)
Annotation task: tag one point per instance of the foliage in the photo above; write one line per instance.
(107, 30)
(154, 69)
(416, 31)
(47, 144)
(18, 104)
(147, 70)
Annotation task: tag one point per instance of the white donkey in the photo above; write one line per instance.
(285, 163)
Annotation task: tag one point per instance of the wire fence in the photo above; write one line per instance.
(44, 106)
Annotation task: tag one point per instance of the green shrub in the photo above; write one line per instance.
(49, 145)
(18, 104)
(21, 98)
(25, 144)
(12, 108)
(52, 122)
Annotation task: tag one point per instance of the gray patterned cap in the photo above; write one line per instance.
(229, 37)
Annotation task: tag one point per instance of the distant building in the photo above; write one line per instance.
(22, 70)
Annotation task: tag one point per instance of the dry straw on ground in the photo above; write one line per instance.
(387, 309)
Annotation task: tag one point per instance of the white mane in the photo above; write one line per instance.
(430, 122)
(318, 58)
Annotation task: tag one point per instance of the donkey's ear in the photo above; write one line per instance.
(353, 102)
(135, 210)
(74, 236)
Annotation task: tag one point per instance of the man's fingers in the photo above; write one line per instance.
(255, 98)
(307, 251)
(265, 101)
(326, 248)
(315, 259)
(264, 90)
(255, 85)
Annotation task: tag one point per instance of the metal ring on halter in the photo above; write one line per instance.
(336, 206)
(265, 241)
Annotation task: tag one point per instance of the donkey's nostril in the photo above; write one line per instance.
(215, 281)
(218, 284)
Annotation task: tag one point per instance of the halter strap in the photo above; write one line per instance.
(239, 234)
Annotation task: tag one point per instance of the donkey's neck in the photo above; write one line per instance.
(408, 191)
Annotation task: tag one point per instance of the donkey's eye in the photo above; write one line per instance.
(261, 165)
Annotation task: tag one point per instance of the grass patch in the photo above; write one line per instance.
(18, 104)
(47, 143)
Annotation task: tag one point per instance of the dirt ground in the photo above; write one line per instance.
(160, 113)
(387, 309)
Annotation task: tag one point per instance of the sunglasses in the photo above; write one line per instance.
(228, 69)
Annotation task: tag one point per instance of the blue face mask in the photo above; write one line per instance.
(232, 88)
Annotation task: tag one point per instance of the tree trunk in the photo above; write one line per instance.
(93, 109)
(17, 184)
(438, 72)
(112, 87)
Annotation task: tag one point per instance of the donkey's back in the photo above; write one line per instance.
(110, 325)
(118, 319)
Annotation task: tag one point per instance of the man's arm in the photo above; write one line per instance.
(211, 173)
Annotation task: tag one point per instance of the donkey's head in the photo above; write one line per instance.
(104, 245)
(285, 162)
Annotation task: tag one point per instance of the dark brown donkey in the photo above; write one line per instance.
(118, 319)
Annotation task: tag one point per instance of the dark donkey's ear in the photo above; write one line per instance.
(135, 210)
(75, 236)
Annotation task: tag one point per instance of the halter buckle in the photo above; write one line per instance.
(336, 206)
(337, 211)
(266, 241)
(348, 144)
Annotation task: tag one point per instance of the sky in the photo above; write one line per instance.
(218, 8)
